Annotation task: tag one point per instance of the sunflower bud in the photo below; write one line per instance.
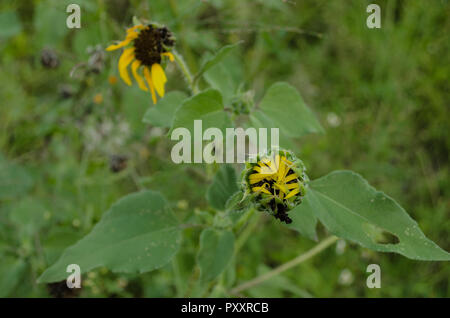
(275, 183)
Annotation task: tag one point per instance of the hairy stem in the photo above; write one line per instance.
(185, 69)
(245, 234)
(284, 267)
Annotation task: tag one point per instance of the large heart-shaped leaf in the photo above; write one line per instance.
(352, 209)
(282, 107)
(138, 234)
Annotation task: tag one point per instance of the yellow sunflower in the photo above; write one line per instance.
(276, 183)
(275, 177)
(150, 44)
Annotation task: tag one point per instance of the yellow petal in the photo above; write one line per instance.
(134, 28)
(170, 56)
(124, 60)
(292, 193)
(130, 37)
(291, 186)
(261, 189)
(150, 83)
(113, 47)
(138, 78)
(290, 177)
(255, 178)
(281, 187)
(159, 78)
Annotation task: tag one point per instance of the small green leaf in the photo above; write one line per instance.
(12, 271)
(14, 180)
(162, 114)
(352, 209)
(138, 234)
(206, 106)
(224, 185)
(216, 251)
(283, 107)
(216, 58)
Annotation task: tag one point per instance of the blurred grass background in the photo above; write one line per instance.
(75, 144)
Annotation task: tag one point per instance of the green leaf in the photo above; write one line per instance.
(216, 251)
(138, 234)
(224, 185)
(352, 209)
(304, 220)
(259, 120)
(206, 106)
(282, 107)
(9, 24)
(12, 271)
(57, 241)
(220, 78)
(162, 114)
(28, 215)
(134, 103)
(238, 207)
(14, 180)
(216, 58)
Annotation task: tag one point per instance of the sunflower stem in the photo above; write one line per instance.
(284, 267)
(245, 234)
(185, 69)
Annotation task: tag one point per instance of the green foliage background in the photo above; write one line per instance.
(381, 95)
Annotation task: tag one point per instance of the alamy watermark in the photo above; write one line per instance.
(374, 279)
(74, 279)
(374, 19)
(221, 149)
(73, 21)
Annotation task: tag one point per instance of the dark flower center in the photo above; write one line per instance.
(150, 43)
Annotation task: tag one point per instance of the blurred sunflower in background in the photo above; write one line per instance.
(150, 45)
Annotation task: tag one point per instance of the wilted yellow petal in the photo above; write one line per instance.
(124, 60)
(169, 55)
(261, 189)
(292, 193)
(291, 186)
(134, 28)
(130, 37)
(255, 178)
(281, 187)
(291, 177)
(113, 47)
(150, 83)
(138, 78)
(159, 78)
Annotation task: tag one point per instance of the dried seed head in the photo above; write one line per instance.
(49, 58)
